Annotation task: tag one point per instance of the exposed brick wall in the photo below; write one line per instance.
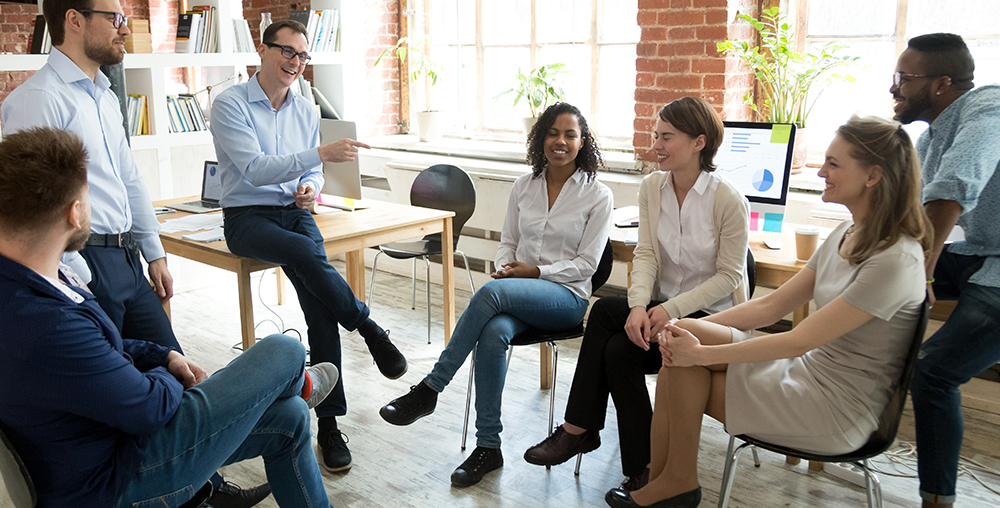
(16, 24)
(381, 33)
(677, 57)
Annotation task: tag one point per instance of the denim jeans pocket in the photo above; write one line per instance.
(171, 500)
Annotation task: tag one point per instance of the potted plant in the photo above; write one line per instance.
(539, 88)
(420, 64)
(786, 76)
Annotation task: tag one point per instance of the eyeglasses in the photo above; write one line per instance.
(898, 76)
(289, 52)
(117, 22)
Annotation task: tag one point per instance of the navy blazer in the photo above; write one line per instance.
(78, 402)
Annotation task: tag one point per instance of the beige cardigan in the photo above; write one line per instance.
(730, 217)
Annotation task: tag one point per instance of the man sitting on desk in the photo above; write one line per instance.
(101, 421)
(267, 143)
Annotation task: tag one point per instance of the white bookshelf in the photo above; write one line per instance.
(169, 161)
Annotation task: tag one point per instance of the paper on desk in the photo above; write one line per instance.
(195, 222)
(211, 235)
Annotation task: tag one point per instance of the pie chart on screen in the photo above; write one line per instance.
(762, 180)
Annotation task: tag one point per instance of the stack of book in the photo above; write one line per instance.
(41, 41)
(138, 115)
(139, 40)
(198, 30)
(323, 27)
(185, 114)
(242, 37)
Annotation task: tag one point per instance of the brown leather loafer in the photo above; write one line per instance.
(560, 446)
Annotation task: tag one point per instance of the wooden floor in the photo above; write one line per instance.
(410, 466)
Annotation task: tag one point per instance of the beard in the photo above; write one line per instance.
(915, 106)
(79, 239)
(103, 54)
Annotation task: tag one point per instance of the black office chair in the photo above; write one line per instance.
(537, 336)
(16, 479)
(878, 442)
(441, 187)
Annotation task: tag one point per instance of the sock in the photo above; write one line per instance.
(370, 330)
(307, 386)
(327, 425)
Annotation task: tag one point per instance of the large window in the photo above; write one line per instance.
(877, 31)
(481, 45)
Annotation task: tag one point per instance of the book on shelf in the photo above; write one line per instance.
(39, 35)
(242, 37)
(187, 32)
(138, 115)
(325, 108)
(322, 27)
(185, 114)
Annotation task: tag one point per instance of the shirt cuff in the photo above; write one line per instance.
(948, 191)
(545, 271)
(151, 248)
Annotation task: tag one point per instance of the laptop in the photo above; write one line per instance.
(211, 192)
(343, 179)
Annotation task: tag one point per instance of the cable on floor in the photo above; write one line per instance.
(904, 456)
(280, 325)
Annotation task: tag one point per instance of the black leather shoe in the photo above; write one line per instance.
(389, 360)
(333, 448)
(560, 446)
(407, 409)
(635, 482)
(230, 495)
(481, 461)
(618, 498)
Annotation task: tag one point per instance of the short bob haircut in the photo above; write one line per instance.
(589, 158)
(695, 117)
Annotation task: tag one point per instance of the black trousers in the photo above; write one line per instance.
(610, 364)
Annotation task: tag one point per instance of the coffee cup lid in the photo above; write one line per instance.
(806, 230)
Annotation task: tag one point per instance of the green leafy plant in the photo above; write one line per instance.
(420, 64)
(539, 88)
(785, 75)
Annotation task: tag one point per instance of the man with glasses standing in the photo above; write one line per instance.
(70, 93)
(267, 143)
(959, 155)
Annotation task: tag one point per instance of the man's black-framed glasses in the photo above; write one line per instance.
(899, 76)
(119, 18)
(289, 52)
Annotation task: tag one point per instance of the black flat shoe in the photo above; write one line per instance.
(481, 461)
(618, 498)
(409, 408)
(230, 495)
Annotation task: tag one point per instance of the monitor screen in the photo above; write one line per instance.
(757, 158)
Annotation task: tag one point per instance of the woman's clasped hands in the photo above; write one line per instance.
(678, 346)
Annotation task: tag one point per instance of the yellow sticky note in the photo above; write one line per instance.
(781, 132)
(349, 202)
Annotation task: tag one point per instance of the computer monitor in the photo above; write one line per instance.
(342, 178)
(757, 158)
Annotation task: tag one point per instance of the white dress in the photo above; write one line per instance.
(829, 399)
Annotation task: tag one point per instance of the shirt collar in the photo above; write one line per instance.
(19, 273)
(704, 178)
(69, 72)
(578, 176)
(256, 93)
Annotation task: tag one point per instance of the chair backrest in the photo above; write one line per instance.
(445, 187)
(751, 274)
(888, 423)
(603, 268)
(15, 476)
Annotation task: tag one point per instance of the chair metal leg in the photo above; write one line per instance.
(468, 398)
(756, 459)
(729, 474)
(579, 458)
(552, 387)
(371, 289)
(427, 261)
(468, 270)
(873, 488)
(413, 285)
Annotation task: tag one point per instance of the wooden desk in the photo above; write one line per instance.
(343, 232)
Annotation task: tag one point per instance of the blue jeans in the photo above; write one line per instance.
(290, 238)
(967, 344)
(250, 408)
(499, 311)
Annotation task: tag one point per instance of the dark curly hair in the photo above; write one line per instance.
(589, 158)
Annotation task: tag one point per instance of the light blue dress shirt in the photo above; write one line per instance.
(264, 154)
(960, 156)
(60, 95)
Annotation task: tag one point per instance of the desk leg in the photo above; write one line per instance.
(279, 279)
(355, 261)
(246, 306)
(448, 279)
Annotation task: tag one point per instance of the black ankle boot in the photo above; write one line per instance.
(407, 409)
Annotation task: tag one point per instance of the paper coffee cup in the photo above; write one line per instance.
(806, 241)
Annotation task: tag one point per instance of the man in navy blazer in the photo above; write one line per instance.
(101, 420)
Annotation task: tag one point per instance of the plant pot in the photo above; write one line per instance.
(799, 151)
(529, 123)
(429, 125)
